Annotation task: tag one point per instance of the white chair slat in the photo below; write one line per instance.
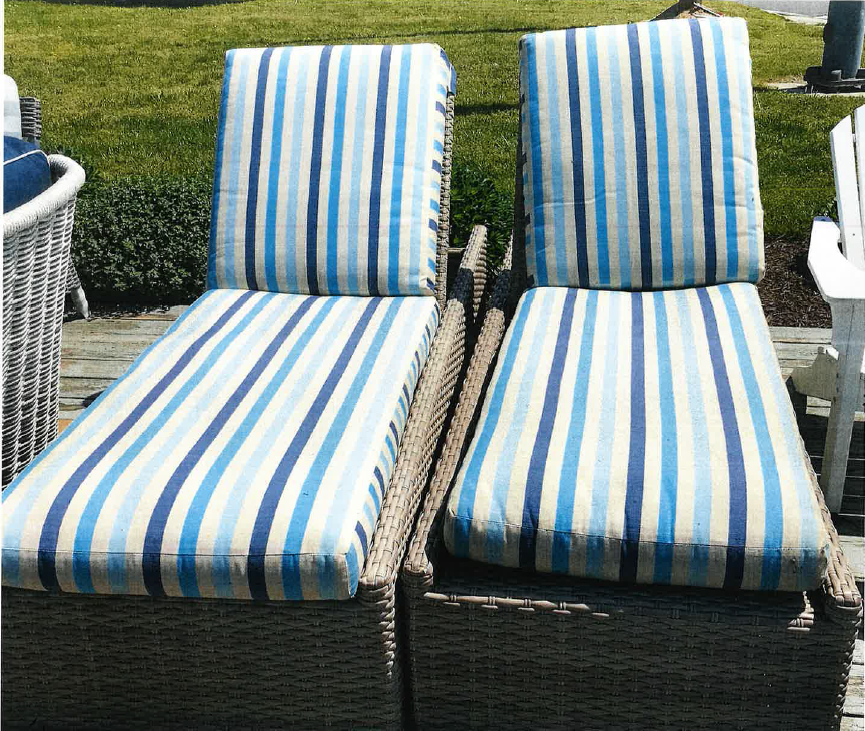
(856, 255)
(846, 188)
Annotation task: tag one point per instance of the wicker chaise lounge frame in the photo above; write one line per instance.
(36, 241)
(112, 661)
(490, 646)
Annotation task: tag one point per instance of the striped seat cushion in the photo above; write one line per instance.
(640, 437)
(640, 170)
(244, 455)
(328, 169)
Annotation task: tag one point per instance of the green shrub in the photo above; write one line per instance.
(476, 199)
(144, 240)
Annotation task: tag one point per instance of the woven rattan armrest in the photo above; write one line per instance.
(420, 560)
(441, 371)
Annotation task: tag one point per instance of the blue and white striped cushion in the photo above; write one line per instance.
(640, 168)
(328, 169)
(640, 437)
(244, 455)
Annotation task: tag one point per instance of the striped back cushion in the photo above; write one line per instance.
(328, 169)
(640, 170)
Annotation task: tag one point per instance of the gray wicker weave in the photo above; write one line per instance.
(490, 646)
(83, 661)
(36, 238)
(31, 129)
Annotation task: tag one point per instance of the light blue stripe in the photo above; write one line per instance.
(683, 134)
(337, 152)
(725, 114)
(352, 565)
(810, 526)
(561, 551)
(353, 265)
(747, 131)
(536, 241)
(234, 202)
(231, 345)
(198, 506)
(273, 176)
(293, 171)
(617, 101)
(774, 515)
(661, 139)
(666, 536)
(603, 459)
(419, 194)
(557, 174)
(603, 244)
(468, 484)
(396, 176)
(702, 478)
(139, 372)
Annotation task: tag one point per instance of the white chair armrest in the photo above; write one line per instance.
(837, 279)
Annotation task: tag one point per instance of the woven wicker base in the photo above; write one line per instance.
(659, 659)
(73, 661)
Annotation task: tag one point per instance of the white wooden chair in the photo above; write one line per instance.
(838, 372)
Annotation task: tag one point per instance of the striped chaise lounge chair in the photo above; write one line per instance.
(634, 538)
(215, 541)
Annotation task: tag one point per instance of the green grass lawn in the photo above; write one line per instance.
(134, 91)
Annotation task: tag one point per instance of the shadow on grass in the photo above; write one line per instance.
(468, 109)
(146, 3)
(430, 35)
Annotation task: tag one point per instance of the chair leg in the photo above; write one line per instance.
(848, 324)
(76, 292)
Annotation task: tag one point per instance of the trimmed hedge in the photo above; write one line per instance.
(144, 240)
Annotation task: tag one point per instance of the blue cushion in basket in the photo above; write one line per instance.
(26, 172)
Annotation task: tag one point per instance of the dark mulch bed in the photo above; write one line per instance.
(790, 297)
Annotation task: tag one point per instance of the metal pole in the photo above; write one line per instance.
(842, 39)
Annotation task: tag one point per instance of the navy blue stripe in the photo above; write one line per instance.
(642, 161)
(270, 500)
(254, 165)
(315, 172)
(379, 479)
(538, 461)
(54, 518)
(377, 162)
(738, 523)
(705, 153)
(637, 451)
(361, 534)
(577, 154)
(151, 560)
